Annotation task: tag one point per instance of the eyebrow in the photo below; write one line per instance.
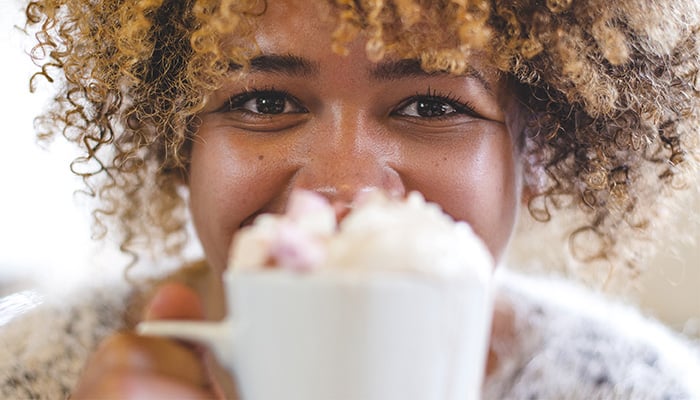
(293, 65)
(393, 70)
(409, 68)
(286, 64)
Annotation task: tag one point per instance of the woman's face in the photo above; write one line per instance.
(305, 117)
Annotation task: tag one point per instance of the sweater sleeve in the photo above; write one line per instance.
(574, 344)
(45, 340)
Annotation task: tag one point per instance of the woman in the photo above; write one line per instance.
(225, 108)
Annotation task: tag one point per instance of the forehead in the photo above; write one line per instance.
(319, 31)
(297, 26)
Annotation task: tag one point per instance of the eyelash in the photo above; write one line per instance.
(454, 101)
(460, 106)
(238, 100)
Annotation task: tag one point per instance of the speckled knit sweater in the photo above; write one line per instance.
(572, 344)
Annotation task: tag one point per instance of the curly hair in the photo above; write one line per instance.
(610, 90)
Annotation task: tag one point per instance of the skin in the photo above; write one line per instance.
(346, 126)
(344, 136)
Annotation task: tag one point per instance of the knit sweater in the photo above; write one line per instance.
(571, 344)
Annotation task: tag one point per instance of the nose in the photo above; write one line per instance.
(348, 162)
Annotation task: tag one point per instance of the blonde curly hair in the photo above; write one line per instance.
(610, 90)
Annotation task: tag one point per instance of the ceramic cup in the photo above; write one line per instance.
(347, 335)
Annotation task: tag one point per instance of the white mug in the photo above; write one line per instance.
(340, 334)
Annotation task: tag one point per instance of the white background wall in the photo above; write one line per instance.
(670, 288)
(41, 228)
(45, 232)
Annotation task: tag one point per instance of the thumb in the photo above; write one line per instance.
(174, 301)
(177, 301)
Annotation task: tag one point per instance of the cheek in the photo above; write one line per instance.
(476, 183)
(227, 184)
(494, 202)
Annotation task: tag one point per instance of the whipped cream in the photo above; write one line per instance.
(379, 233)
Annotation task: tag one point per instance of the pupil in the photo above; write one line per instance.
(270, 104)
(431, 108)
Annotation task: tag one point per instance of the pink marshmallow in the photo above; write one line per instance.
(305, 202)
(294, 249)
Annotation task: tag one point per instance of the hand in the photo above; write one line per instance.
(128, 366)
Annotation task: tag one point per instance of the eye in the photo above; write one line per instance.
(433, 105)
(427, 108)
(265, 102)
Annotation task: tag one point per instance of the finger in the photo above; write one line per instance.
(128, 352)
(174, 301)
(141, 385)
(160, 387)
